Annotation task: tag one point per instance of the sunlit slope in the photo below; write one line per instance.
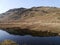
(35, 18)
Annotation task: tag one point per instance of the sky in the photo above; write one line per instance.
(10, 4)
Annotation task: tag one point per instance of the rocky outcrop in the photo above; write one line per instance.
(8, 42)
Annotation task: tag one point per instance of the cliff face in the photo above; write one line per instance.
(35, 18)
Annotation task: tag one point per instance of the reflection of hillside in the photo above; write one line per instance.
(18, 31)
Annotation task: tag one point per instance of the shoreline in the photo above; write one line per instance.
(19, 31)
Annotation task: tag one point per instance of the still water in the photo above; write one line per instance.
(29, 40)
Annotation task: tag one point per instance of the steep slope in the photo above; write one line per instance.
(12, 14)
(35, 18)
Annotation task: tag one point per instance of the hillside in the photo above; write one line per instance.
(35, 18)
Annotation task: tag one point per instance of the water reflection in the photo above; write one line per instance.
(30, 40)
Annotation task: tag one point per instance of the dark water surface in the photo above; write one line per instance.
(29, 40)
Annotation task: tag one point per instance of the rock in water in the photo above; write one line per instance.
(8, 42)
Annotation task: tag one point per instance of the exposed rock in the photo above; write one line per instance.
(8, 42)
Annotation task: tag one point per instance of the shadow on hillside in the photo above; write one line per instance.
(19, 31)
